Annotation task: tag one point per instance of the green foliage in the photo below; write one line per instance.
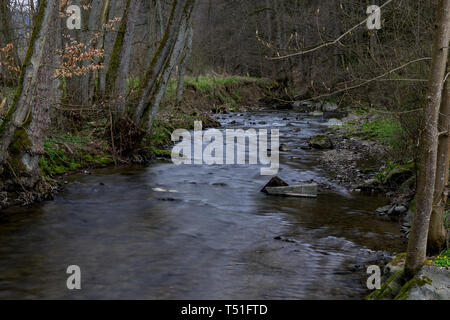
(443, 260)
(132, 84)
(386, 131)
(67, 153)
(395, 174)
(160, 153)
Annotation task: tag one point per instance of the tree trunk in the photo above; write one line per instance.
(23, 130)
(116, 77)
(159, 59)
(8, 32)
(87, 88)
(184, 61)
(429, 145)
(182, 38)
(437, 233)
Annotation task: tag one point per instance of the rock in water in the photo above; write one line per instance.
(274, 182)
(321, 142)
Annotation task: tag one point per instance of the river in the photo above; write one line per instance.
(215, 238)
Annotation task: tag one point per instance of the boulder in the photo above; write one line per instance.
(383, 210)
(316, 114)
(332, 123)
(274, 182)
(432, 283)
(321, 142)
(330, 107)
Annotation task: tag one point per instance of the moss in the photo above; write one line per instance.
(32, 42)
(404, 292)
(399, 258)
(114, 61)
(69, 152)
(160, 153)
(387, 290)
(396, 174)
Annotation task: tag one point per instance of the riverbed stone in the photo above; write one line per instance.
(330, 107)
(316, 114)
(400, 209)
(383, 210)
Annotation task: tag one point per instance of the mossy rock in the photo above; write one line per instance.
(321, 142)
(416, 281)
(398, 175)
(389, 289)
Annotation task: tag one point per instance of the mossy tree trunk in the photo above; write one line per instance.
(23, 130)
(142, 103)
(93, 27)
(116, 76)
(437, 233)
(184, 32)
(184, 61)
(8, 33)
(417, 244)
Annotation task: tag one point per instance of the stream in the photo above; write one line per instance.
(217, 237)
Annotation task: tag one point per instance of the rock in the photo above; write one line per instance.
(396, 265)
(274, 182)
(284, 148)
(332, 123)
(398, 175)
(321, 142)
(351, 118)
(301, 190)
(408, 218)
(316, 114)
(389, 289)
(330, 107)
(400, 210)
(382, 210)
(164, 190)
(431, 283)
(305, 147)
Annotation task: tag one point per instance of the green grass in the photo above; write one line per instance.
(443, 260)
(384, 130)
(68, 152)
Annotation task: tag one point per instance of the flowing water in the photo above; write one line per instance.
(215, 238)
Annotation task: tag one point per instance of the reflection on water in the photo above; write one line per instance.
(213, 239)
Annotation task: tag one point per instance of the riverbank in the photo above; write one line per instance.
(78, 143)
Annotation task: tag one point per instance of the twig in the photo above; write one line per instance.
(329, 43)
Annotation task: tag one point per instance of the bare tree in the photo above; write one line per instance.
(22, 132)
(437, 234)
(429, 145)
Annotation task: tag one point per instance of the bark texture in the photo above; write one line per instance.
(23, 130)
(437, 234)
(429, 145)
